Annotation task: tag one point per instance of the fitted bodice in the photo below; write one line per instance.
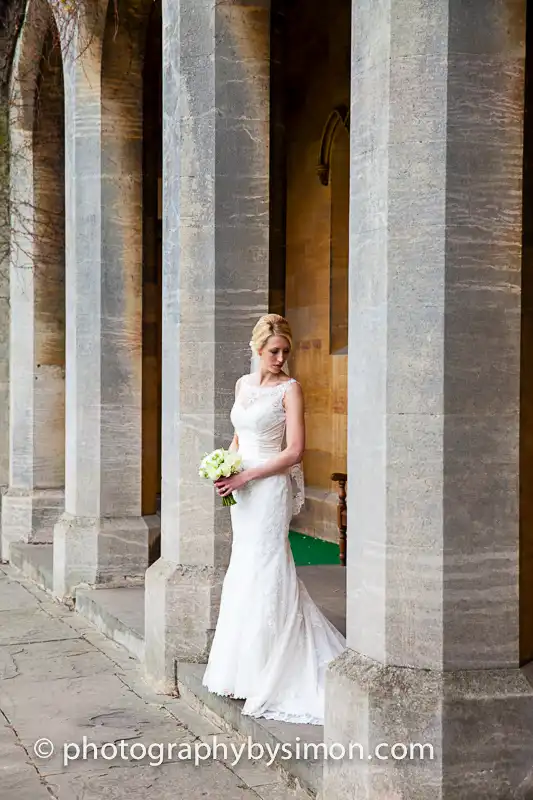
(258, 416)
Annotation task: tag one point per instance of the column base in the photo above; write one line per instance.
(109, 551)
(181, 612)
(479, 722)
(29, 516)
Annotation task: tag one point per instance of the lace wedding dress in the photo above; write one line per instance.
(272, 644)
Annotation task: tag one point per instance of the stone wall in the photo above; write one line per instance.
(317, 81)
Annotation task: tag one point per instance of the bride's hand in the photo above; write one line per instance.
(225, 486)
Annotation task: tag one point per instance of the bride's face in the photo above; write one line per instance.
(275, 353)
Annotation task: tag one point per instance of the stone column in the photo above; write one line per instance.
(215, 286)
(10, 18)
(102, 537)
(35, 498)
(434, 392)
(4, 296)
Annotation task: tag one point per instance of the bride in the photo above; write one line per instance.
(272, 644)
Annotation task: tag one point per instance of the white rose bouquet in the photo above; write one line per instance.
(221, 464)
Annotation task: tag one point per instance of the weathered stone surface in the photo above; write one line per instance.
(13, 596)
(32, 625)
(252, 773)
(118, 613)
(276, 791)
(434, 402)
(172, 782)
(35, 562)
(102, 537)
(103, 550)
(43, 661)
(11, 15)
(20, 780)
(478, 722)
(4, 378)
(37, 286)
(305, 772)
(123, 660)
(182, 605)
(30, 516)
(215, 214)
(434, 351)
(72, 688)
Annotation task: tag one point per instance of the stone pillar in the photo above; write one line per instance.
(215, 286)
(11, 15)
(4, 296)
(35, 498)
(434, 392)
(102, 537)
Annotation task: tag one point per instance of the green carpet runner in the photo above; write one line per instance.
(309, 550)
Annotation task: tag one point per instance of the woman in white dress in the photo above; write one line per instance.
(272, 644)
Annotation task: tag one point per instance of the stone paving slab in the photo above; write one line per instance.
(14, 597)
(19, 779)
(278, 791)
(32, 625)
(195, 722)
(98, 707)
(23, 784)
(42, 661)
(120, 657)
(149, 747)
(171, 782)
(51, 605)
(63, 681)
(253, 773)
(12, 753)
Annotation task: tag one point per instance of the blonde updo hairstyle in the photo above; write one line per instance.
(269, 325)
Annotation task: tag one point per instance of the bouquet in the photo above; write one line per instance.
(221, 464)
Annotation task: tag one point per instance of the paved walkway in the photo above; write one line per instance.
(61, 680)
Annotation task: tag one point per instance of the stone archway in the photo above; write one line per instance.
(35, 497)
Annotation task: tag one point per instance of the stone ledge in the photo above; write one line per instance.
(117, 613)
(34, 561)
(29, 516)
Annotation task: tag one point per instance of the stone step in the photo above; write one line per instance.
(303, 773)
(117, 613)
(34, 561)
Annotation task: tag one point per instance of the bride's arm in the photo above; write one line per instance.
(292, 454)
(234, 446)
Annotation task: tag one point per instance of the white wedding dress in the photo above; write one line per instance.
(272, 644)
